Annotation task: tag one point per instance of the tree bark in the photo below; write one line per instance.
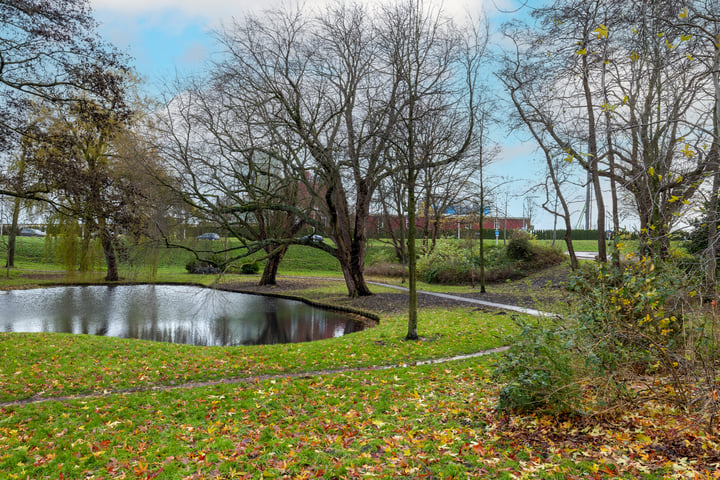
(106, 239)
(12, 234)
(711, 252)
(412, 258)
(269, 275)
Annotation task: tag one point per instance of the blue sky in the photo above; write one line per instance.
(169, 37)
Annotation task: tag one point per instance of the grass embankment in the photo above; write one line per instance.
(433, 421)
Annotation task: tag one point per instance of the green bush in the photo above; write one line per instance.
(520, 247)
(630, 302)
(250, 268)
(448, 260)
(631, 320)
(199, 267)
(538, 370)
(191, 265)
(451, 262)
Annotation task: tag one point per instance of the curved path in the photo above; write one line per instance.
(457, 298)
(250, 379)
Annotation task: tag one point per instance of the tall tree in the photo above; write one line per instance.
(48, 51)
(437, 70)
(229, 176)
(701, 20)
(75, 154)
(636, 94)
(317, 81)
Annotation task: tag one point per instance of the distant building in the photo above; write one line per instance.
(378, 224)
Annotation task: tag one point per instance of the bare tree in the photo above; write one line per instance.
(320, 79)
(232, 178)
(49, 51)
(700, 20)
(634, 90)
(437, 70)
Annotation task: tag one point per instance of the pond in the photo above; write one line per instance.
(170, 313)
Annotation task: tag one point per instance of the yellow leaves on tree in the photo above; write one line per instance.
(687, 152)
(602, 31)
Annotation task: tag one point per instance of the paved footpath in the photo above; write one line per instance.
(527, 311)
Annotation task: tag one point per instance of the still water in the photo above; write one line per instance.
(169, 313)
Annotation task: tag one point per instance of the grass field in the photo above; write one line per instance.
(86, 407)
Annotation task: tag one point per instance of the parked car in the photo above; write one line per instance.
(312, 238)
(31, 232)
(209, 236)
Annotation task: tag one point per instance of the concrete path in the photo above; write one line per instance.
(585, 255)
(457, 298)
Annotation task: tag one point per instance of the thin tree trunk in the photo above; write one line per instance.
(714, 160)
(412, 257)
(482, 230)
(12, 234)
(593, 169)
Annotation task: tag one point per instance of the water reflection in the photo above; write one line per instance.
(169, 313)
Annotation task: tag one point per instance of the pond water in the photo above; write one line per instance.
(170, 313)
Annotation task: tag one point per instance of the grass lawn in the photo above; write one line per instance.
(75, 406)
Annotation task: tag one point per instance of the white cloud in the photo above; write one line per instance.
(217, 11)
(204, 8)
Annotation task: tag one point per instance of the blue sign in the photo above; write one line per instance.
(497, 233)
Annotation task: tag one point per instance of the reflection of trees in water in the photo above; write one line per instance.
(173, 314)
(172, 334)
(294, 323)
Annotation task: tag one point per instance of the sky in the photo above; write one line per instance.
(174, 37)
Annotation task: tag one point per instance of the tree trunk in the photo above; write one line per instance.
(554, 238)
(110, 256)
(593, 169)
(412, 259)
(482, 230)
(350, 234)
(566, 211)
(714, 160)
(269, 275)
(602, 245)
(354, 280)
(12, 234)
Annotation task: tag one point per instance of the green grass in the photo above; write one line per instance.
(578, 245)
(58, 364)
(140, 415)
(436, 421)
(406, 423)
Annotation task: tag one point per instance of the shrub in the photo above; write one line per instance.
(250, 268)
(631, 301)
(202, 268)
(538, 370)
(519, 246)
(631, 321)
(191, 265)
(447, 260)
(452, 263)
(627, 326)
(385, 269)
